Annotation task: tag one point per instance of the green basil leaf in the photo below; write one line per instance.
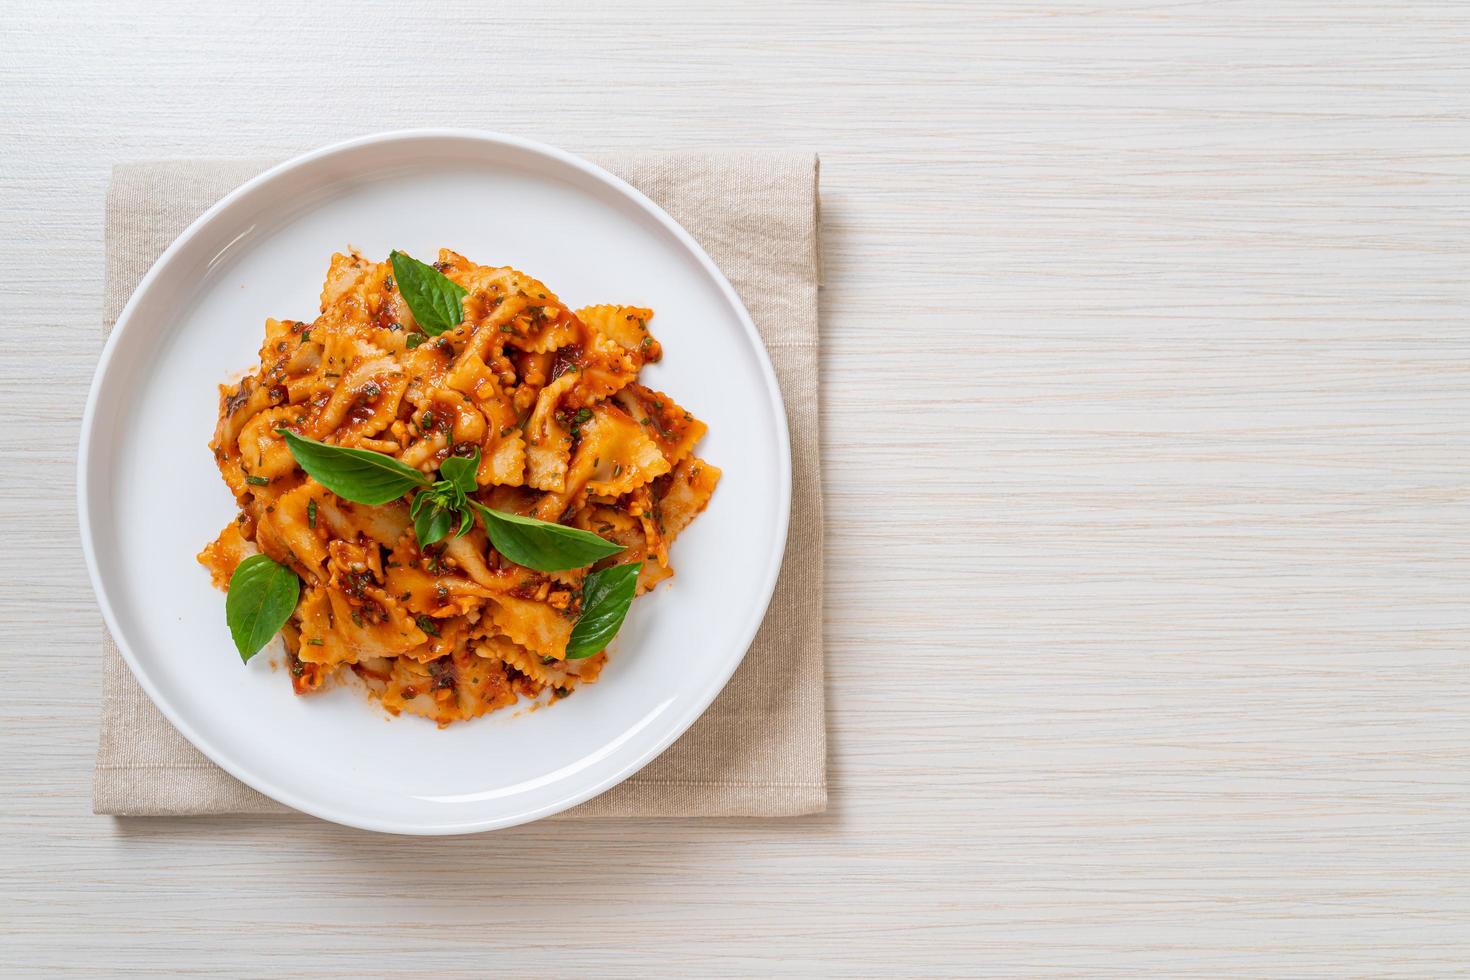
(606, 596)
(436, 300)
(542, 545)
(359, 475)
(432, 522)
(460, 471)
(262, 596)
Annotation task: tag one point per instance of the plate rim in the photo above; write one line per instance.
(698, 705)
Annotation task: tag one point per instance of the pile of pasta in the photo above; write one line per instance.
(549, 396)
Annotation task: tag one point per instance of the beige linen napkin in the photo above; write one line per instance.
(760, 749)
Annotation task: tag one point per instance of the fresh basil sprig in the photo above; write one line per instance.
(436, 300)
(542, 545)
(606, 596)
(434, 510)
(368, 477)
(262, 596)
(460, 471)
(360, 475)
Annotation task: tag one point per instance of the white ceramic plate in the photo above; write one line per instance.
(150, 496)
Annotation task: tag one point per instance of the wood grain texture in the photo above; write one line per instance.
(1146, 381)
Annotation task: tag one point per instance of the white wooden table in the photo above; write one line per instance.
(1146, 388)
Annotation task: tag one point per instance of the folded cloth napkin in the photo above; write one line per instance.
(760, 749)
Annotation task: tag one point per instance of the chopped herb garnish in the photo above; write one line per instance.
(583, 416)
(427, 624)
(356, 618)
(388, 283)
(305, 336)
(257, 481)
(316, 641)
(548, 660)
(414, 339)
(311, 513)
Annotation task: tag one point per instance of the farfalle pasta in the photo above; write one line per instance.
(544, 401)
